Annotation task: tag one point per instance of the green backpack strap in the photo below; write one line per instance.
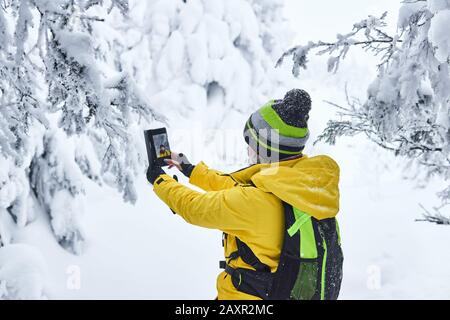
(300, 218)
(303, 223)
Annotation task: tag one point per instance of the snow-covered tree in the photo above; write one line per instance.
(407, 110)
(67, 111)
(198, 51)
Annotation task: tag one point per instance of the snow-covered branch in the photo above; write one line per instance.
(434, 217)
(367, 34)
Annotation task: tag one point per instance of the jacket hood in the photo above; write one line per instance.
(308, 184)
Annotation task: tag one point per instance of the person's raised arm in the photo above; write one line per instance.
(230, 211)
(201, 175)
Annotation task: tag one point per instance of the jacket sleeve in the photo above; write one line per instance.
(209, 179)
(231, 210)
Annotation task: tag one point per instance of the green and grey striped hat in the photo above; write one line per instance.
(279, 129)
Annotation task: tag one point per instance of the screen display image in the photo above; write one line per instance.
(161, 145)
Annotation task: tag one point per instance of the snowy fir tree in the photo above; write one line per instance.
(407, 110)
(67, 112)
(80, 79)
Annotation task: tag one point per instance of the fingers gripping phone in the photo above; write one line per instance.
(157, 144)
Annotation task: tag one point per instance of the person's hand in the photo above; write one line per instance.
(181, 162)
(176, 160)
(153, 172)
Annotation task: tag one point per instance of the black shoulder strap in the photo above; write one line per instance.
(249, 257)
(246, 254)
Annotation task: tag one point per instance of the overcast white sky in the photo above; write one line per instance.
(323, 19)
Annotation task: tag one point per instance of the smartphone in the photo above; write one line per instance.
(158, 149)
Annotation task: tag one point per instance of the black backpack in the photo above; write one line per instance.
(310, 266)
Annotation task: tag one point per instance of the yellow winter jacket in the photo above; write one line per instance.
(247, 204)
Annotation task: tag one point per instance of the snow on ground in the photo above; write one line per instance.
(23, 272)
(133, 252)
(145, 252)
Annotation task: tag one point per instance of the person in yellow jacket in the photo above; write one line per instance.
(163, 152)
(281, 238)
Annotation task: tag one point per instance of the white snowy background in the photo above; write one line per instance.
(143, 251)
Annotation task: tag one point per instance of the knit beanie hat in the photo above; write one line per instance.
(279, 129)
